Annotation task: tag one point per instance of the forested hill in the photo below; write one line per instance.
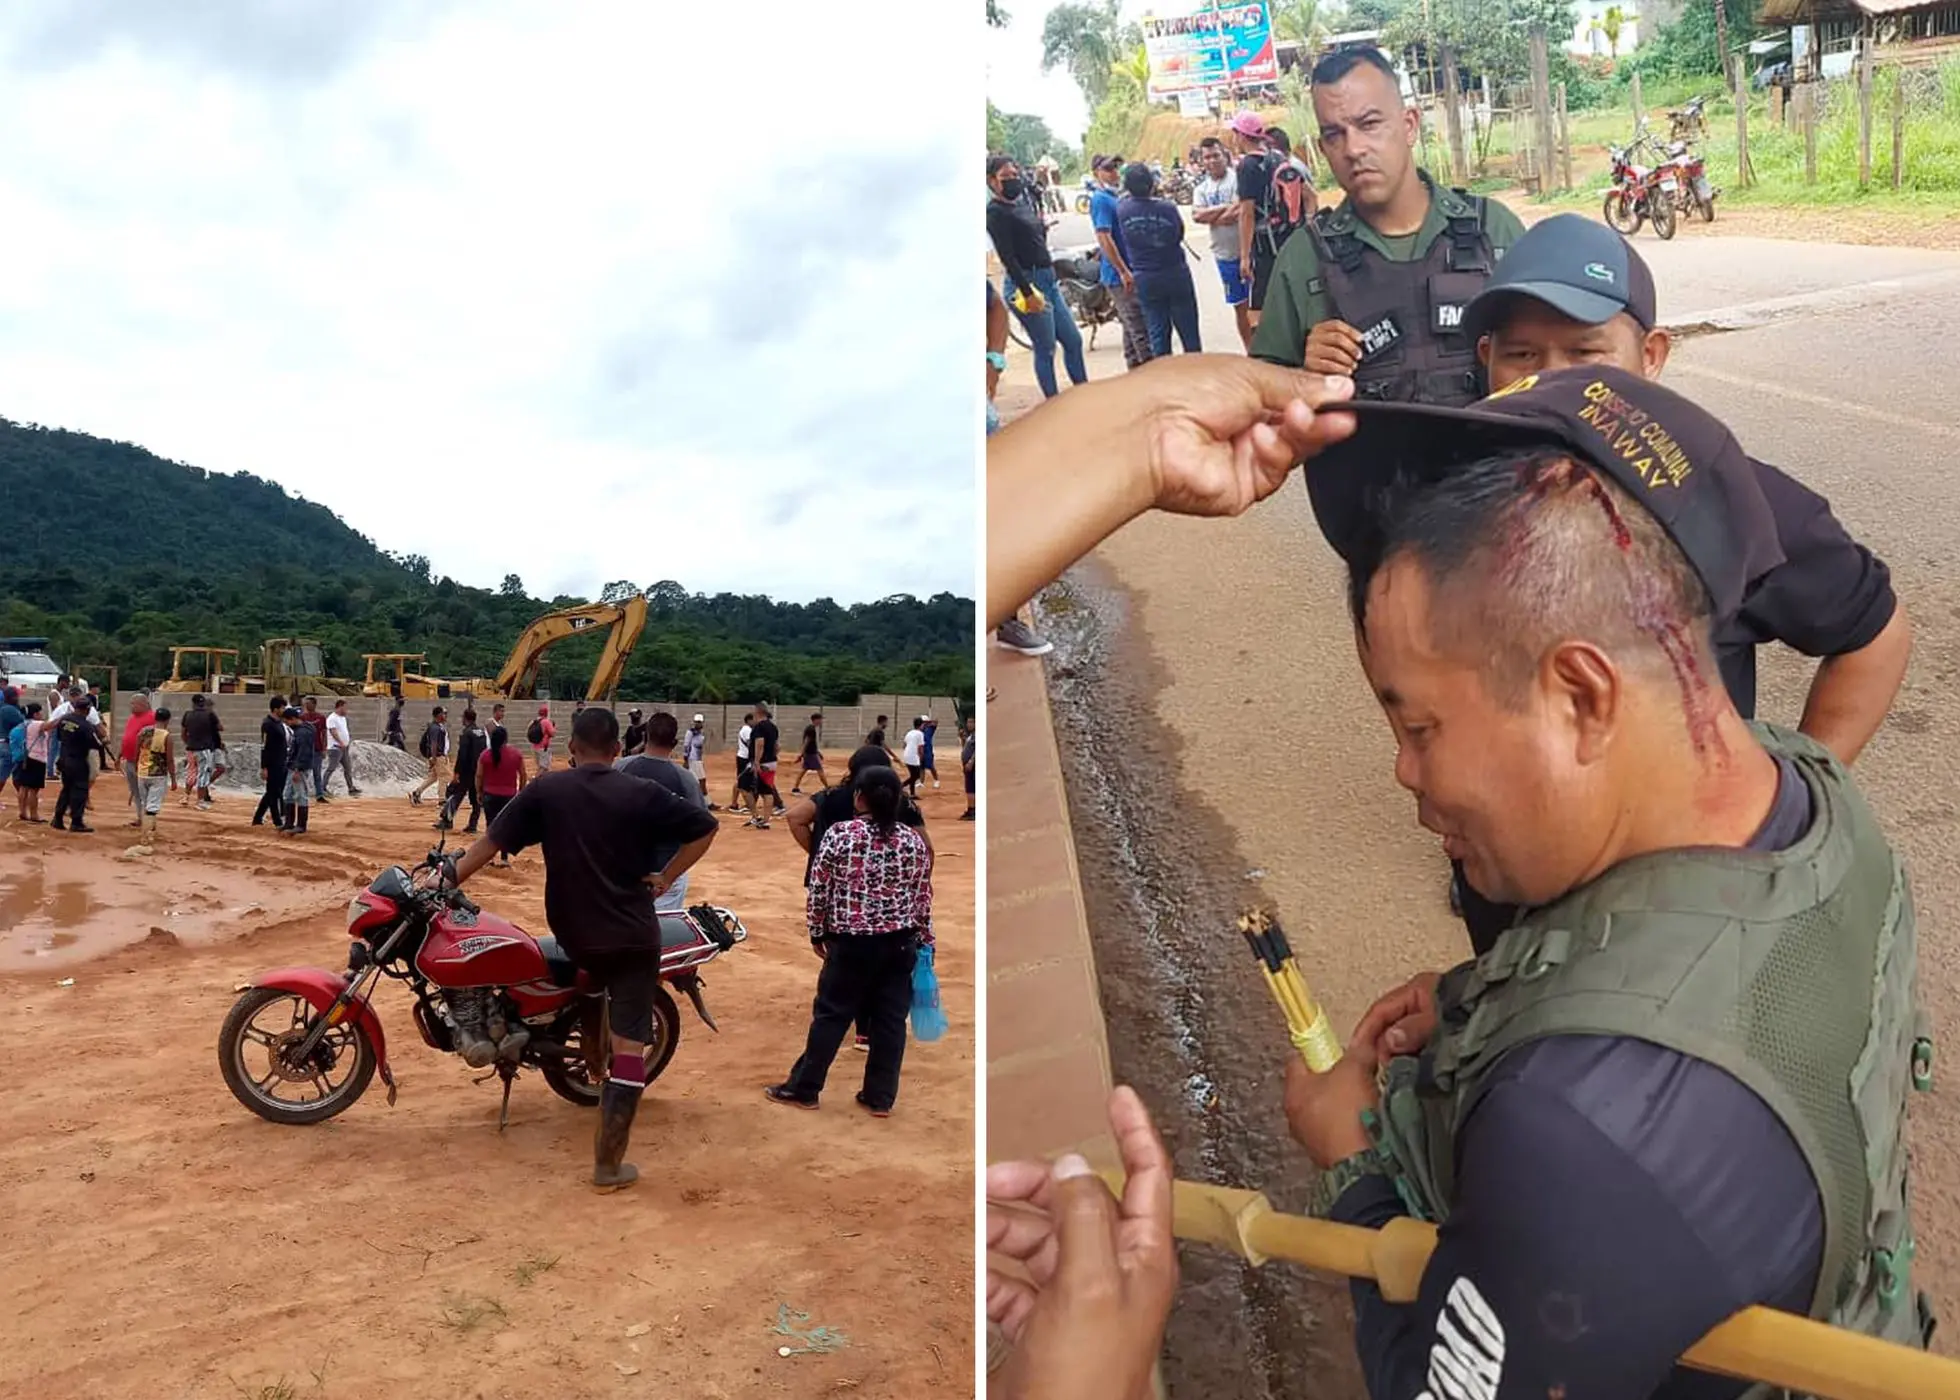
(116, 554)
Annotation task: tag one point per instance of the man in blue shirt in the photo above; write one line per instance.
(1116, 274)
(1153, 233)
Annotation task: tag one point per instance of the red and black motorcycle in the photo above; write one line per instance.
(301, 1044)
(1639, 193)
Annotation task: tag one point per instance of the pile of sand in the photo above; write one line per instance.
(379, 769)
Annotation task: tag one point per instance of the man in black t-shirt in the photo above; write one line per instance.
(812, 817)
(204, 749)
(658, 765)
(470, 747)
(1572, 291)
(78, 737)
(272, 763)
(764, 742)
(602, 831)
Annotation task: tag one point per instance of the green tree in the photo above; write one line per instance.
(996, 129)
(1026, 138)
(1087, 40)
(996, 16)
(1615, 20)
(1131, 73)
(511, 587)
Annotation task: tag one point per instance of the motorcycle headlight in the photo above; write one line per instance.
(357, 909)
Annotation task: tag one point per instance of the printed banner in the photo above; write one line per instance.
(1197, 45)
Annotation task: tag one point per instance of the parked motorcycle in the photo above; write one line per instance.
(1082, 195)
(1689, 122)
(301, 1044)
(1694, 192)
(1079, 270)
(1178, 186)
(1639, 193)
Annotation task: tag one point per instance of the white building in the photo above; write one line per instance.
(1588, 38)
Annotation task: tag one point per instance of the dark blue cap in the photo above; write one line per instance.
(1677, 460)
(1574, 265)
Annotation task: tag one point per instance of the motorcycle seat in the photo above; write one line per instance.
(558, 963)
(677, 930)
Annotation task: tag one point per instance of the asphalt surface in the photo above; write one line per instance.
(1221, 744)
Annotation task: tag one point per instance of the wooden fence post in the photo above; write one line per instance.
(1807, 115)
(1865, 113)
(1453, 116)
(1898, 128)
(1638, 119)
(1541, 102)
(1564, 141)
(1744, 177)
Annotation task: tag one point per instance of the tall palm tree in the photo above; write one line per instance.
(1304, 22)
(1616, 19)
(1132, 71)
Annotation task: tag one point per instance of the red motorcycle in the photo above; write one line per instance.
(1639, 193)
(1694, 193)
(302, 1043)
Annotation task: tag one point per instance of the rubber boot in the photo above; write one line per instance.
(302, 820)
(617, 1105)
(146, 843)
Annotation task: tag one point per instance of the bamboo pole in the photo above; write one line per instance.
(1807, 115)
(1757, 1344)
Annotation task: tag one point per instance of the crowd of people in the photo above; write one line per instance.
(1565, 654)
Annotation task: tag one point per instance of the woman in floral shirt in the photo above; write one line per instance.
(870, 909)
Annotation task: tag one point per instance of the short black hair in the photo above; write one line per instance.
(996, 163)
(1277, 139)
(197, 702)
(869, 756)
(1209, 142)
(1138, 180)
(1341, 62)
(1519, 550)
(662, 730)
(469, 715)
(162, 714)
(595, 729)
(277, 702)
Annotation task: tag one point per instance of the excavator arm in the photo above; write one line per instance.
(519, 677)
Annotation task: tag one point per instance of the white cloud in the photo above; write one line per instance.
(582, 292)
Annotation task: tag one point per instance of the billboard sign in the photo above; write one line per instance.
(1200, 45)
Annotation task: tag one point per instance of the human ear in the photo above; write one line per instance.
(1587, 692)
(1654, 351)
(1483, 351)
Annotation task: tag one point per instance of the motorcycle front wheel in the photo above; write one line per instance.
(571, 1081)
(255, 1056)
(1622, 213)
(1705, 201)
(1082, 204)
(1663, 216)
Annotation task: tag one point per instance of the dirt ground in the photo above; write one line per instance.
(158, 1240)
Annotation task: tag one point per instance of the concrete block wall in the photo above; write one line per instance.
(844, 726)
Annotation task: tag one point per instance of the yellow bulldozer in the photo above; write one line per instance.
(208, 672)
(404, 683)
(624, 621)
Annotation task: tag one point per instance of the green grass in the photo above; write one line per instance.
(1932, 148)
(527, 1272)
(464, 1312)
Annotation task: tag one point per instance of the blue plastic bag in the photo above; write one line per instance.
(928, 1020)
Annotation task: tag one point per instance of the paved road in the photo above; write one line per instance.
(1249, 653)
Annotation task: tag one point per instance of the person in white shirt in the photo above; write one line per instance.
(741, 764)
(1215, 204)
(340, 749)
(694, 752)
(915, 757)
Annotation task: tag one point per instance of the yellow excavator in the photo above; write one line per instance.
(518, 680)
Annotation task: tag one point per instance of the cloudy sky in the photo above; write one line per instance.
(580, 291)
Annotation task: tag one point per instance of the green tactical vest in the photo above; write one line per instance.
(1791, 970)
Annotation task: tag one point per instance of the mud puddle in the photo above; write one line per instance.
(1190, 1024)
(57, 910)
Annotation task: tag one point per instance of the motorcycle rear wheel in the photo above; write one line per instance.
(1622, 213)
(1082, 204)
(568, 1078)
(1706, 208)
(241, 1029)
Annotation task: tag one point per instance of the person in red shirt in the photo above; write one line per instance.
(139, 720)
(499, 777)
(310, 714)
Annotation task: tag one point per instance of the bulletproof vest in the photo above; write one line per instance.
(1410, 314)
(1793, 971)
